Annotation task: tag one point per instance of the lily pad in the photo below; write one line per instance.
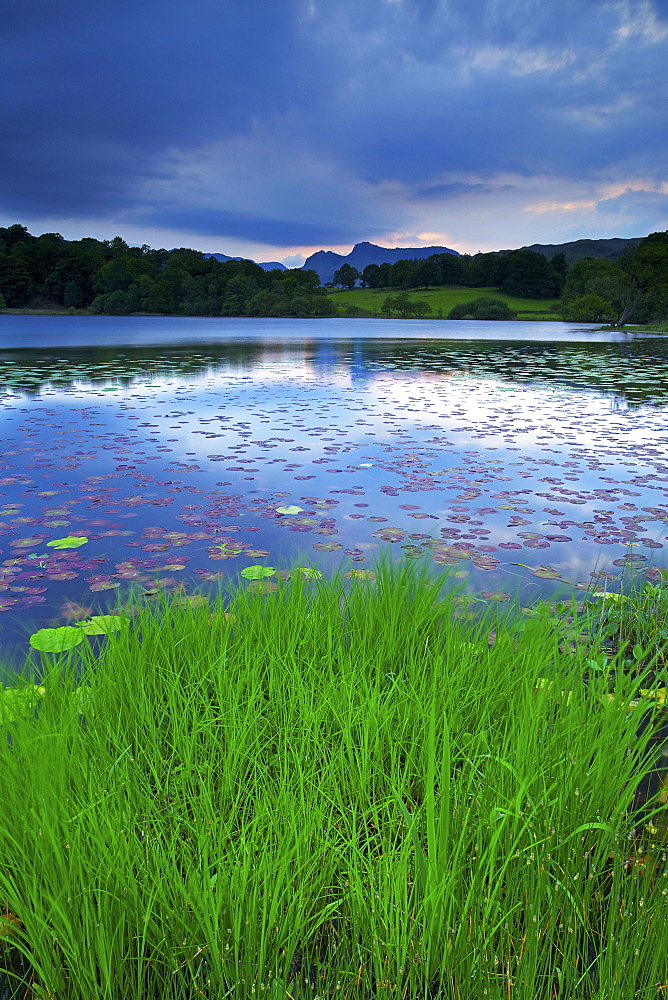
(308, 573)
(262, 586)
(191, 601)
(546, 573)
(73, 542)
(18, 701)
(56, 640)
(257, 572)
(360, 574)
(288, 510)
(102, 624)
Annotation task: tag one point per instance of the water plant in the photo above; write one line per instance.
(334, 788)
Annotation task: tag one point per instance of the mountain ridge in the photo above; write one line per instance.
(266, 266)
(326, 262)
(575, 250)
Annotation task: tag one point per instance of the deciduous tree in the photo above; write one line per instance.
(346, 275)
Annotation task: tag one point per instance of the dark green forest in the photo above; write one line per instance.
(520, 272)
(109, 277)
(632, 288)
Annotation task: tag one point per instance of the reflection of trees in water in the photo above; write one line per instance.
(632, 374)
(29, 370)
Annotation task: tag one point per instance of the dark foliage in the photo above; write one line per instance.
(520, 272)
(108, 276)
(633, 287)
(484, 307)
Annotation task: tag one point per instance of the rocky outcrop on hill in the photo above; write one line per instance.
(326, 262)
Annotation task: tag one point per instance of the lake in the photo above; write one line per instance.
(528, 458)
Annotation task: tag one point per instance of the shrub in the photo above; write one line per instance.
(591, 308)
(485, 307)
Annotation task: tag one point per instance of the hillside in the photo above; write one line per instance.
(578, 249)
(369, 301)
(326, 262)
(266, 266)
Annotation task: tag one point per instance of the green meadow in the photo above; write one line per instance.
(442, 297)
(349, 788)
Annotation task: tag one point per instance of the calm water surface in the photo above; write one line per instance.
(171, 443)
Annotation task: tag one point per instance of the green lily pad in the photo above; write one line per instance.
(67, 543)
(308, 573)
(360, 574)
(262, 586)
(546, 573)
(56, 640)
(288, 510)
(257, 572)
(102, 624)
(191, 601)
(18, 701)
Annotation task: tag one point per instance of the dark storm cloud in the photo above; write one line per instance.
(93, 93)
(279, 232)
(523, 86)
(314, 122)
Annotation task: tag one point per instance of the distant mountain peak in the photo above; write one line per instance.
(326, 262)
(266, 266)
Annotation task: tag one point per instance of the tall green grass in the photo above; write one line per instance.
(334, 791)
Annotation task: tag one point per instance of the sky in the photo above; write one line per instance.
(269, 129)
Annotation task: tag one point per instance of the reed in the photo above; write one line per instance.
(338, 788)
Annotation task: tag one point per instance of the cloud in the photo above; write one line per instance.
(325, 122)
(648, 209)
(253, 228)
(294, 260)
(639, 20)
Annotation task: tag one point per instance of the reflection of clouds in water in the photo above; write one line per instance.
(516, 410)
(289, 423)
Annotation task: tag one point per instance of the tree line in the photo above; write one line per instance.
(634, 286)
(519, 272)
(108, 276)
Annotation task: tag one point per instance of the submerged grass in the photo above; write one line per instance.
(336, 790)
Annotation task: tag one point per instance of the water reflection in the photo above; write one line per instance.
(632, 373)
(523, 465)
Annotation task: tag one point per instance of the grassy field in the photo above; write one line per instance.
(337, 788)
(443, 297)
